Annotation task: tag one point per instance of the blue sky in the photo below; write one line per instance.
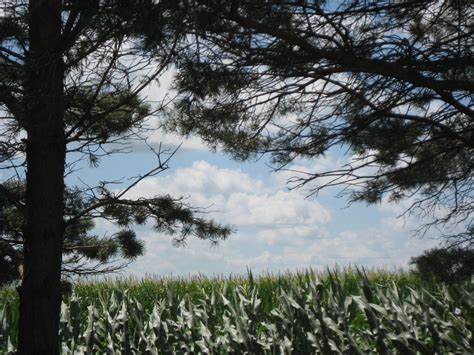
(276, 229)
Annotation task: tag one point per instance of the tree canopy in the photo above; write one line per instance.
(110, 57)
(388, 82)
(71, 76)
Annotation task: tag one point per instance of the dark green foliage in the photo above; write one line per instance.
(78, 240)
(71, 78)
(448, 265)
(169, 215)
(130, 246)
(9, 264)
(303, 79)
(111, 50)
(106, 115)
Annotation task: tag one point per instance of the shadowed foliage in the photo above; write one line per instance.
(71, 75)
(448, 265)
(387, 84)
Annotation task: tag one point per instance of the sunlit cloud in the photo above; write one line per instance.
(276, 229)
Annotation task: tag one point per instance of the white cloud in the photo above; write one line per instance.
(201, 178)
(277, 230)
(159, 94)
(297, 236)
(280, 208)
(334, 160)
(241, 199)
(172, 140)
(159, 90)
(280, 249)
(303, 168)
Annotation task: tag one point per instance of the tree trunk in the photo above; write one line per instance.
(40, 292)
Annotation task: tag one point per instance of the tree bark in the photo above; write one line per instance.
(40, 292)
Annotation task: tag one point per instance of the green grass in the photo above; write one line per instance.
(346, 310)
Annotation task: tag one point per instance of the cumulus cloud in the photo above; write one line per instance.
(172, 140)
(304, 168)
(279, 250)
(335, 160)
(241, 199)
(277, 229)
(201, 178)
(280, 208)
(159, 94)
(296, 236)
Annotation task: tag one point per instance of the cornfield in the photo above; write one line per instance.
(335, 313)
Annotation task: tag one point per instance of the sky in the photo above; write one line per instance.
(276, 229)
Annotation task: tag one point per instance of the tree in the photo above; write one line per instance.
(70, 79)
(389, 82)
(447, 265)
(84, 253)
